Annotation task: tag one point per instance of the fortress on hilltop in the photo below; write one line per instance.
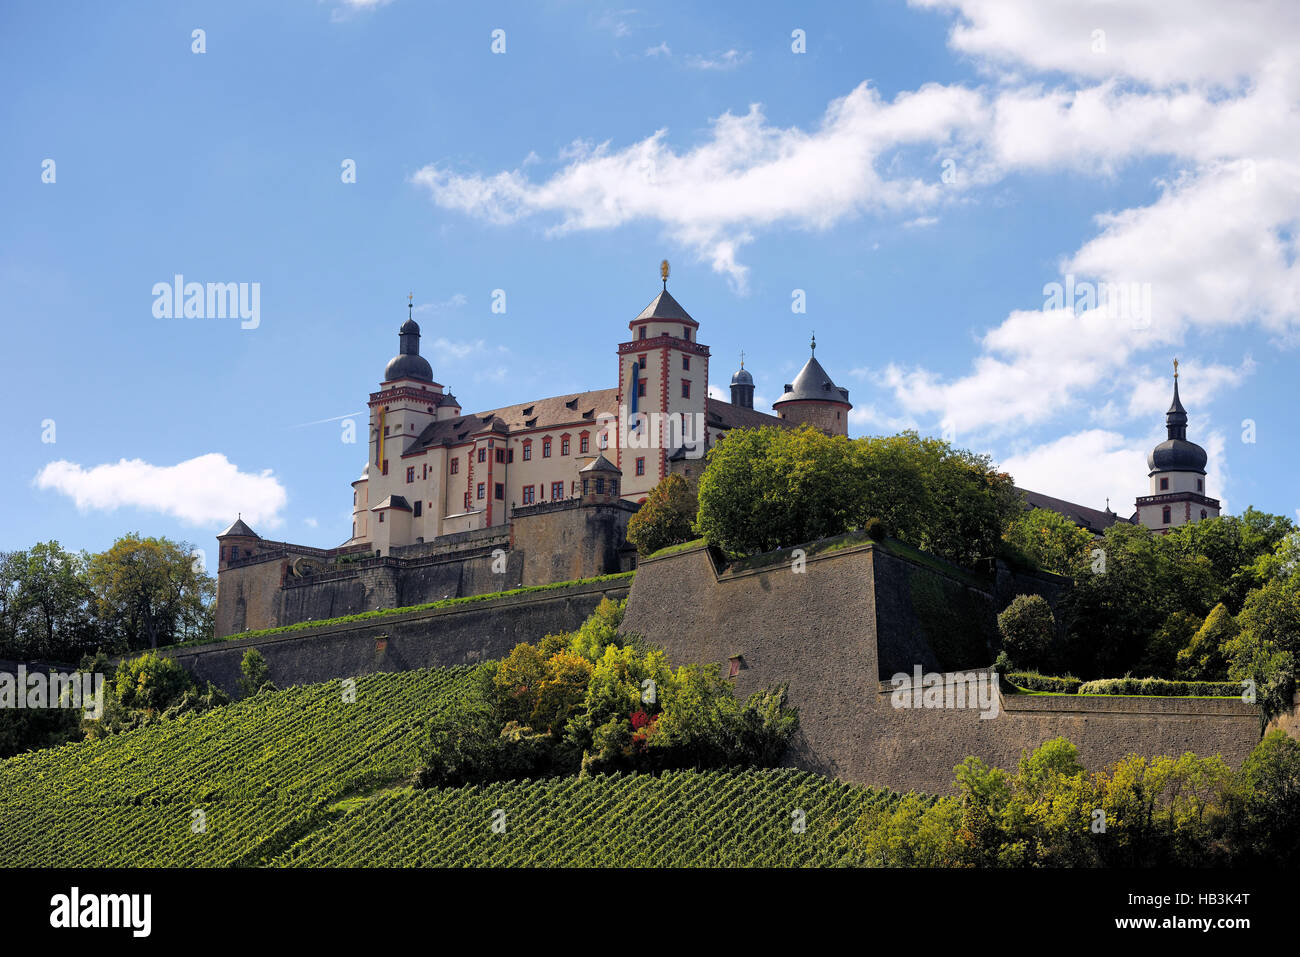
(450, 504)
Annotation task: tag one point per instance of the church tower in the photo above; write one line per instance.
(815, 399)
(1177, 474)
(663, 385)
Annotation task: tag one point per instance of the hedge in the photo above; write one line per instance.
(1033, 681)
(1163, 687)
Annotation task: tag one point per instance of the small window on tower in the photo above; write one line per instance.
(686, 388)
(686, 362)
(385, 468)
(640, 361)
(642, 336)
(1166, 515)
(1204, 513)
(640, 388)
(686, 333)
(419, 509)
(640, 465)
(1164, 484)
(1200, 486)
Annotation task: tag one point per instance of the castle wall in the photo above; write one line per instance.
(859, 614)
(555, 542)
(457, 635)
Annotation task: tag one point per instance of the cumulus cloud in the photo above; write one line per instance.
(205, 490)
(748, 175)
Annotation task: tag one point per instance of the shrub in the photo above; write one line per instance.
(1028, 628)
(876, 530)
(1204, 656)
(254, 676)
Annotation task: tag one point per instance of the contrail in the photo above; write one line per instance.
(336, 418)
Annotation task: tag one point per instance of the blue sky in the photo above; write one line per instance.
(922, 172)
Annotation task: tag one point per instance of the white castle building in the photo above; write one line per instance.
(433, 470)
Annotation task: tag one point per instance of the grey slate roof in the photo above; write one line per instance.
(240, 527)
(600, 464)
(664, 306)
(393, 501)
(813, 384)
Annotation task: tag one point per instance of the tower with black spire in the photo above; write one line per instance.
(1177, 475)
(742, 387)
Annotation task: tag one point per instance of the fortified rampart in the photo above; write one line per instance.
(835, 633)
(463, 633)
(284, 584)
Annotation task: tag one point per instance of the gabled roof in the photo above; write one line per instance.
(1090, 519)
(573, 409)
(393, 501)
(719, 414)
(665, 307)
(240, 527)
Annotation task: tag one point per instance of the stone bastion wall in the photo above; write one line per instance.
(464, 633)
(837, 632)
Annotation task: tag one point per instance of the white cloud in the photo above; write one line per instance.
(747, 176)
(455, 301)
(205, 490)
(310, 522)
(659, 49)
(718, 61)
(1086, 468)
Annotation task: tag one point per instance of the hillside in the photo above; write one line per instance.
(300, 777)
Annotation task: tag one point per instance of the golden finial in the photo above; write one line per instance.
(742, 358)
(663, 272)
(1175, 369)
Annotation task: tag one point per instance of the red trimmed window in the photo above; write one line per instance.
(686, 362)
(640, 388)
(501, 456)
(640, 465)
(642, 336)
(410, 474)
(640, 361)
(528, 450)
(482, 489)
(584, 443)
(467, 501)
(381, 518)
(455, 465)
(546, 447)
(482, 455)
(385, 468)
(528, 495)
(1164, 484)
(557, 491)
(1166, 515)
(564, 445)
(686, 388)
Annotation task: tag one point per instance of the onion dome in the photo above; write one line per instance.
(1176, 454)
(408, 363)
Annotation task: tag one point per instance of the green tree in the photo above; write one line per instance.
(1050, 541)
(1204, 657)
(1267, 649)
(1264, 807)
(149, 588)
(665, 518)
(1028, 630)
(771, 488)
(45, 604)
